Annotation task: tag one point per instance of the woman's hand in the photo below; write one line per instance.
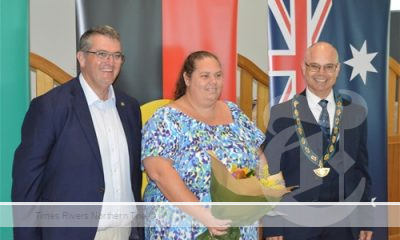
(365, 235)
(216, 227)
(274, 238)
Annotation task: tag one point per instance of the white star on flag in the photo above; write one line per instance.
(361, 62)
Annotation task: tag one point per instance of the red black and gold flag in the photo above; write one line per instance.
(158, 35)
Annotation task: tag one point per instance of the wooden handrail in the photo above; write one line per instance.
(49, 68)
(250, 73)
(394, 65)
(393, 97)
(394, 140)
(253, 69)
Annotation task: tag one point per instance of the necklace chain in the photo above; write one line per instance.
(315, 158)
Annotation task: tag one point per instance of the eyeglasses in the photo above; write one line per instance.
(103, 55)
(329, 68)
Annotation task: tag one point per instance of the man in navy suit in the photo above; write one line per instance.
(318, 140)
(81, 143)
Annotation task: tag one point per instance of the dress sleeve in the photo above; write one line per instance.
(255, 135)
(160, 135)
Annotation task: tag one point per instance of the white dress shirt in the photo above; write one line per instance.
(114, 156)
(316, 109)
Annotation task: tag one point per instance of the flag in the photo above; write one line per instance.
(359, 31)
(158, 35)
(14, 94)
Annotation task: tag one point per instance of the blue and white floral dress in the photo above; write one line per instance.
(174, 135)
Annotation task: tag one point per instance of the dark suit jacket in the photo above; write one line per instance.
(59, 160)
(349, 165)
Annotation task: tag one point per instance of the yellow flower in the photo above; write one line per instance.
(234, 167)
(271, 184)
(271, 181)
(265, 172)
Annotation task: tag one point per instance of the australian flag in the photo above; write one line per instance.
(359, 31)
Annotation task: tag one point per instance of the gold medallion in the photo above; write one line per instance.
(321, 171)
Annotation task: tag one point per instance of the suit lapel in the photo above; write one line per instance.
(83, 113)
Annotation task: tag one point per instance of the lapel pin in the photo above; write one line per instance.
(122, 104)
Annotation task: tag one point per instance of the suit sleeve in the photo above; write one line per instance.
(362, 160)
(29, 165)
(366, 217)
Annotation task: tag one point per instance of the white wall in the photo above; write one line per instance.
(252, 31)
(395, 5)
(52, 31)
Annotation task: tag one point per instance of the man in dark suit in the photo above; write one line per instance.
(318, 140)
(81, 143)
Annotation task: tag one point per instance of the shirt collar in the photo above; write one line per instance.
(313, 99)
(91, 96)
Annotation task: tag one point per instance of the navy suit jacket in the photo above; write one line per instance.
(349, 165)
(59, 159)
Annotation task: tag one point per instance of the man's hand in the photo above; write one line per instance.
(365, 235)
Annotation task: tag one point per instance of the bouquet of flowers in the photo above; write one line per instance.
(241, 185)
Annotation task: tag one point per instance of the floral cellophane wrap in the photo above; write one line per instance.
(225, 188)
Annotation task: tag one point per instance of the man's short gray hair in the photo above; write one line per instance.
(105, 30)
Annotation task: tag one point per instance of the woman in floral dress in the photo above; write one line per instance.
(174, 152)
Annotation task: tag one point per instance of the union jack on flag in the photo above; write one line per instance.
(299, 24)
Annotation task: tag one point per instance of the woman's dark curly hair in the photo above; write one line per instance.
(189, 66)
